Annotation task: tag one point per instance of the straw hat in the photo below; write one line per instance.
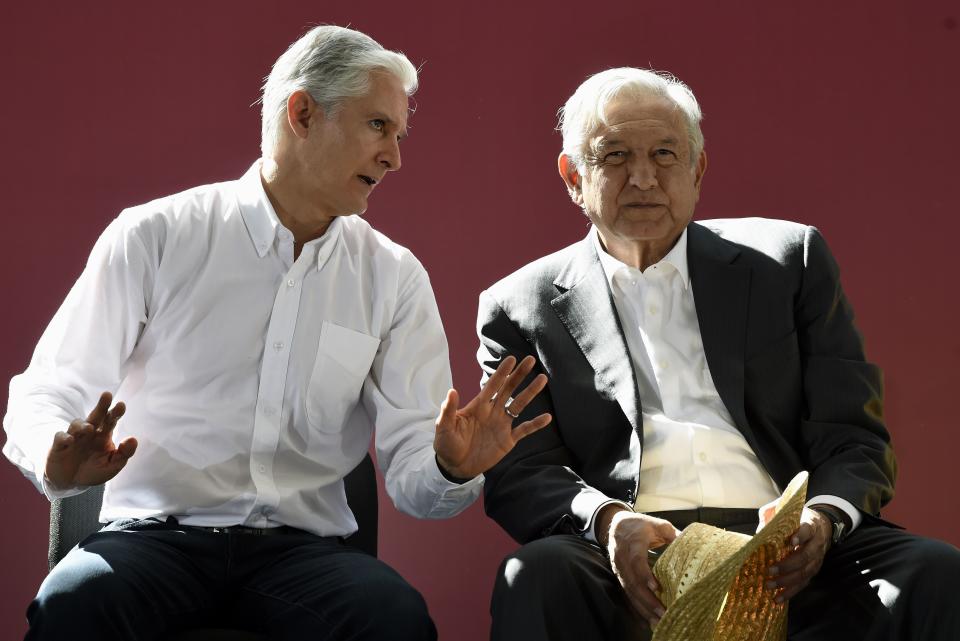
(712, 581)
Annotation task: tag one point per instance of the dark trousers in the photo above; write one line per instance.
(881, 584)
(140, 580)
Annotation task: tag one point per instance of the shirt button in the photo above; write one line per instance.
(703, 456)
(653, 309)
(278, 345)
(263, 468)
(291, 283)
(664, 364)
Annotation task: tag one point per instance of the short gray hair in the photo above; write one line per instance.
(585, 111)
(331, 64)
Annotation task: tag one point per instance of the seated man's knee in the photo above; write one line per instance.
(547, 565)
(934, 562)
(80, 590)
(391, 608)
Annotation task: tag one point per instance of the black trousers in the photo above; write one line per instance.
(880, 584)
(140, 580)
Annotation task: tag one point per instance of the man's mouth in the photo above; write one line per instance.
(367, 179)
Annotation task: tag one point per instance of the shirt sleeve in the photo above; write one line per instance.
(83, 350)
(408, 381)
(841, 504)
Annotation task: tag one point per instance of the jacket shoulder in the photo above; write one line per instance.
(782, 240)
(533, 280)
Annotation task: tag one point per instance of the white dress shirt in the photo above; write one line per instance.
(252, 381)
(693, 454)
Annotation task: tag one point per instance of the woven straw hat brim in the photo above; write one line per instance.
(712, 581)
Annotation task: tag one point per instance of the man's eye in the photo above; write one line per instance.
(614, 156)
(378, 124)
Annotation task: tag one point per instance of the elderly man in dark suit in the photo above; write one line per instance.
(694, 369)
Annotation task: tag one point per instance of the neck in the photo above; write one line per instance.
(636, 253)
(292, 205)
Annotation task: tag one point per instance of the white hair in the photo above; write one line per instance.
(585, 111)
(331, 64)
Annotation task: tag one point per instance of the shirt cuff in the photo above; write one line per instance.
(841, 504)
(590, 534)
(52, 493)
(443, 484)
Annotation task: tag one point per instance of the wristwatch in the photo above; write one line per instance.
(838, 521)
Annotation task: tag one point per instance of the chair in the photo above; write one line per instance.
(74, 518)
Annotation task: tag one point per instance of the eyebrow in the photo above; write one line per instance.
(612, 142)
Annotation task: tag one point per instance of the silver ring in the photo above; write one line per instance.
(506, 408)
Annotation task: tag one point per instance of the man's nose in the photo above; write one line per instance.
(390, 156)
(642, 173)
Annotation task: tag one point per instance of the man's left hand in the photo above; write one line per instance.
(471, 440)
(810, 543)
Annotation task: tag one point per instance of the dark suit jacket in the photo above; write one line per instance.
(780, 343)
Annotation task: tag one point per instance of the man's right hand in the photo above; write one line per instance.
(628, 536)
(85, 453)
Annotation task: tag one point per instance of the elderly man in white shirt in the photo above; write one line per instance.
(695, 368)
(256, 332)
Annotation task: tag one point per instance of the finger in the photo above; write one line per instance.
(489, 389)
(516, 377)
(644, 593)
(520, 402)
(632, 586)
(793, 561)
(117, 411)
(667, 533)
(80, 430)
(113, 416)
(527, 428)
(448, 410)
(61, 442)
(792, 584)
(99, 413)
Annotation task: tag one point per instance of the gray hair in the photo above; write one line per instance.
(585, 111)
(331, 64)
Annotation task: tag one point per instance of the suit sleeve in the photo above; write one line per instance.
(533, 492)
(844, 440)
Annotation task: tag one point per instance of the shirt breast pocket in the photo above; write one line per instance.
(343, 360)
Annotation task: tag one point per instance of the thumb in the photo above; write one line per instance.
(667, 531)
(126, 448)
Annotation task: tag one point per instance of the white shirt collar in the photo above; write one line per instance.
(263, 224)
(676, 258)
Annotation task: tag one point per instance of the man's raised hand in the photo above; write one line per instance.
(471, 440)
(85, 454)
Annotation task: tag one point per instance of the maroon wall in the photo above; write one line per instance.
(840, 116)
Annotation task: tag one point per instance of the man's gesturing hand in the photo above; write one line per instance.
(629, 537)
(471, 440)
(85, 453)
(810, 543)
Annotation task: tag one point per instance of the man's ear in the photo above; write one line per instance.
(571, 177)
(701, 169)
(300, 109)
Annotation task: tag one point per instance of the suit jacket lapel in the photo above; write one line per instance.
(721, 290)
(586, 309)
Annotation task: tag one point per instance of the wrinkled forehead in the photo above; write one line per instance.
(639, 116)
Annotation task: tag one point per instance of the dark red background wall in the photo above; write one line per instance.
(843, 115)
